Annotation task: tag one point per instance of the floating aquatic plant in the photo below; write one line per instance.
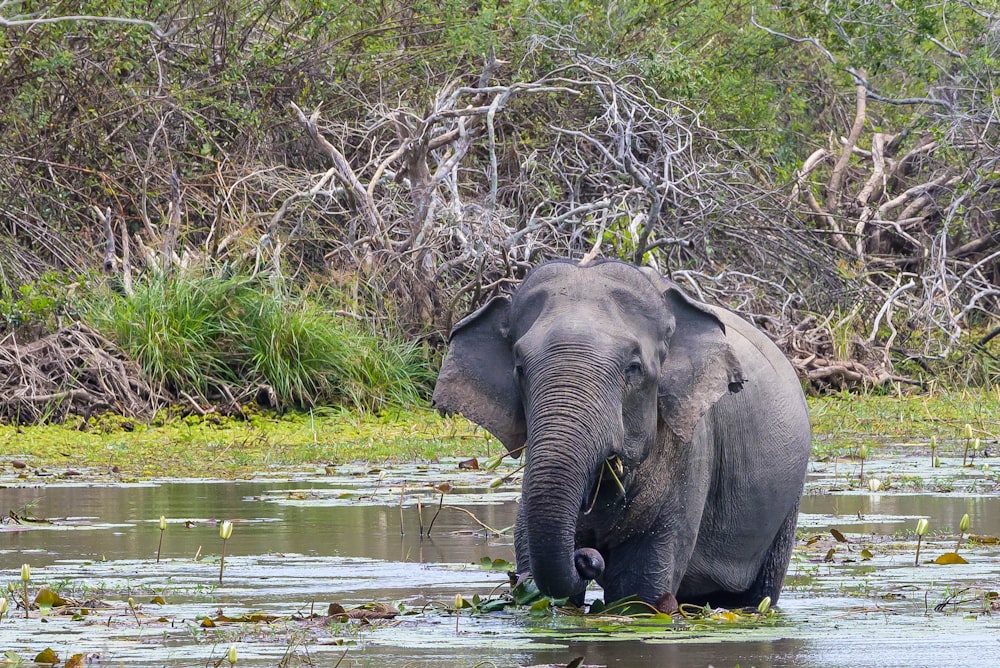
(968, 442)
(950, 558)
(443, 488)
(135, 613)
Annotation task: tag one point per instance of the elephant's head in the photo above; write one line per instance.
(584, 365)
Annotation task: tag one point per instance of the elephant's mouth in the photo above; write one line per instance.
(609, 479)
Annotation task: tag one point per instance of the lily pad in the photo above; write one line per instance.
(950, 558)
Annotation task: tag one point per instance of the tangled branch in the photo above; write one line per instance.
(73, 371)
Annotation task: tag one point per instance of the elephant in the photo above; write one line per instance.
(665, 440)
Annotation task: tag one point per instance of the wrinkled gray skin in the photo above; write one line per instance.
(609, 367)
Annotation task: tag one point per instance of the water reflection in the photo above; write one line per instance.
(888, 513)
(121, 523)
(303, 543)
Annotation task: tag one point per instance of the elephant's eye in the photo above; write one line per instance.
(634, 372)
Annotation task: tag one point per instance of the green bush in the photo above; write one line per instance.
(36, 308)
(212, 337)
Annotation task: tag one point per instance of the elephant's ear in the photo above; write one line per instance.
(477, 376)
(701, 366)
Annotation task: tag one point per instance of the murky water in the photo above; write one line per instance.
(301, 544)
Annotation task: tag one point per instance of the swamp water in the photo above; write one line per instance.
(311, 539)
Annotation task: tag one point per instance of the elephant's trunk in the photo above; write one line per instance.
(569, 440)
(553, 503)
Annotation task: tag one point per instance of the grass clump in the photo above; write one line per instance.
(209, 337)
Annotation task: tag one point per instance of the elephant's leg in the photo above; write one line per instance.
(642, 568)
(771, 576)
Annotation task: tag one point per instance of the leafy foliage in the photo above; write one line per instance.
(477, 138)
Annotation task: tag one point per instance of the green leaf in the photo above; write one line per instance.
(540, 607)
(46, 656)
(626, 607)
(526, 593)
(494, 605)
(488, 564)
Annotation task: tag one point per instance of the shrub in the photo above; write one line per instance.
(211, 337)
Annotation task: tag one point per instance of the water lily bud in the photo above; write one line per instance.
(968, 430)
(225, 530)
(764, 605)
(863, 452)
(937, 461)
(933, 442)
(963, 526)
(25, 572)
(975, 445)
(131, 602)
(874, 484)
(493, 463)
(496, 482)
(163, 523)
(3, 606)
(921, 526)
(231, 654)
(459, 602)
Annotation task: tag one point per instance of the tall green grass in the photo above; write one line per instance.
(214, 337)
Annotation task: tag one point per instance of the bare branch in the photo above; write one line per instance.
(343, 172)
(836, 182)
(798, 40)
(27, 20)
